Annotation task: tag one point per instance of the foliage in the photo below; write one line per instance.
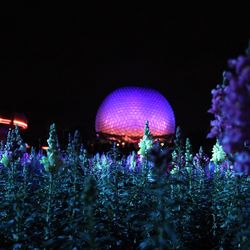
(188, 153)
(146, 142)
(219, 154)
(231, 109)
(178, 152)
(52, 161)
(108, 201)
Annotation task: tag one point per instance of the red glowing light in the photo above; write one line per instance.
(20, 124)
(5, 121)
(16, 122)
(45, 147)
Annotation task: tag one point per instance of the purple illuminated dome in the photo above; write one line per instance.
(124, 112)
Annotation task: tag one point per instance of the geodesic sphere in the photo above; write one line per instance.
(125, 111)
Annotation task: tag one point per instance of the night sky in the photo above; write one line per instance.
(58, 64)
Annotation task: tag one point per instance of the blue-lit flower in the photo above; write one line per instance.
(231, 109)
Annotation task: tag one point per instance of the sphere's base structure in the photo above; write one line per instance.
(131, 140)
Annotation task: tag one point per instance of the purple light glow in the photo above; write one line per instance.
(125, 111)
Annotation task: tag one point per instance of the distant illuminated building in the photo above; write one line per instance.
(10, 121)
(123, 114)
